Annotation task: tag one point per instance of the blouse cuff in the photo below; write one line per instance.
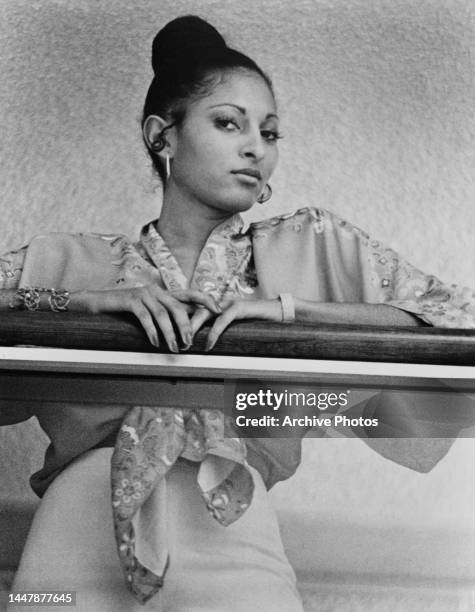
(438, 314)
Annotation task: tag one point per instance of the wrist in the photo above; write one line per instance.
(81, 301)
(276, 312)
(306, 311)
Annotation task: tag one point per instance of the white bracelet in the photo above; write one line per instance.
(288, 307)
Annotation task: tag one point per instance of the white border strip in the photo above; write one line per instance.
(202, 366)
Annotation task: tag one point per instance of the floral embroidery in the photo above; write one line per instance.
(224, 267)
(11, 267)
(318, 227)
(156, 437)
(152, 438)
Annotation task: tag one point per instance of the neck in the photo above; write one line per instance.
(187, 222)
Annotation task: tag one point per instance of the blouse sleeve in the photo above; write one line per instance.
(397, 283)
(338, 262)
(415, 428)
(11, 415)
(433, 301)
(11, 267)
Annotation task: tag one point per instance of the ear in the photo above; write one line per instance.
(152, 131)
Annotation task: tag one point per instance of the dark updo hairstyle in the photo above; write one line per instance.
(189, 57)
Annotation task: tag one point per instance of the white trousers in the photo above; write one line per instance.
(71, 547)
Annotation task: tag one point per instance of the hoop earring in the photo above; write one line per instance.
(265, 195)
(167, 166)
(158, 144)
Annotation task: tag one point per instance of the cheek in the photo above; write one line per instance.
(201, 159)
(190, 164)
(271, 161)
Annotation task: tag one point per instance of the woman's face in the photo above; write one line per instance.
(226, 148)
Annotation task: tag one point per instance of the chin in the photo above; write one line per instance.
(235, 205)
(232, 200)
(242, 202)
(244, 206)
(241, 208)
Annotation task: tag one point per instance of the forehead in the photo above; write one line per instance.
(241, 88)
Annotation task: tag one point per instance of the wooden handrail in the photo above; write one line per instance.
(117, 332)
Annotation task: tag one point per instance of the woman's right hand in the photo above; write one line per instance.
(154, 307)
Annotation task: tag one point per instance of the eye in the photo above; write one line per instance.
(271, 135)
(227, 123)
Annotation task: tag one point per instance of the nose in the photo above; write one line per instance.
(253, 147)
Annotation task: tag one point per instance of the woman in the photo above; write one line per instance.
(211, 125)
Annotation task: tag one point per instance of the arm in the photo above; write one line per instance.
(338, 274)
(351, 313)
(155, 308)
(86, 269)
(307, 311)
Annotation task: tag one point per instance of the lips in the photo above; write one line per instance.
(249, 172)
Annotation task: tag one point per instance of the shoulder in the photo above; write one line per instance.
(318, 220)
(62, 242)
(307, 214)
(76, 261)
(79, 237)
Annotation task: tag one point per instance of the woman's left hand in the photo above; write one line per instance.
(269, 310)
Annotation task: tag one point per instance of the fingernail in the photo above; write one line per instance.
(189, 339)
(174, 346)
(155, 340)
(218, 307)
(208, 346)
(186, 345)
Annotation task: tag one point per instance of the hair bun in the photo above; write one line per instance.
(183, 38)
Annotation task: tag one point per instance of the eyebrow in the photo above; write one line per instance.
(242, 110)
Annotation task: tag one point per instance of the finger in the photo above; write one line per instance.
(179, 314)
(220, 325)
(146, 321)
(198, 297)
(162, 320)
(200, 316)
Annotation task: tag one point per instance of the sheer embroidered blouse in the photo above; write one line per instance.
(310, 253)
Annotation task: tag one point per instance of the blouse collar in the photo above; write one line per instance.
(226, 250)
